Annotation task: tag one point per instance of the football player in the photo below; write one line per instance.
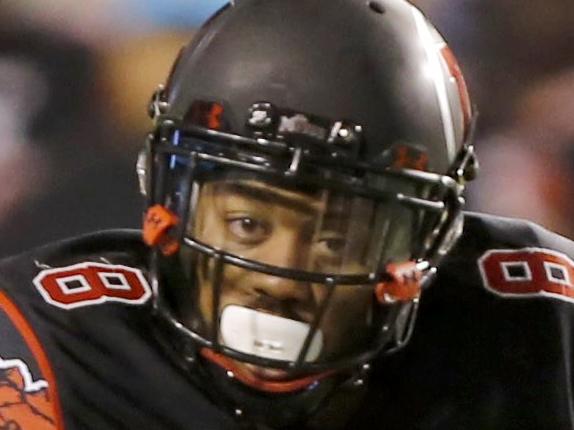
(304, 181)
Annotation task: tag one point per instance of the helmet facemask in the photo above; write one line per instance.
(277, 269)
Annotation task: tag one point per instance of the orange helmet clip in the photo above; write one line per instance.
(158, 221)
(404, 285)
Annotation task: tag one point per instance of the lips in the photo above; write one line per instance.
(266, 373)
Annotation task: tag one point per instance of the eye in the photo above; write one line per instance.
(332, 246)
(248, 229)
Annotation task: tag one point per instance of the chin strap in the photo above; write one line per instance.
(236, 371)
(404, 283)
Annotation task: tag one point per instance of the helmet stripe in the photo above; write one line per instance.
(438, 77)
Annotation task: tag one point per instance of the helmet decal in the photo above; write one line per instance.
(207, 114)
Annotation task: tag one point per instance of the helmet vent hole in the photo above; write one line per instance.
(377, 7)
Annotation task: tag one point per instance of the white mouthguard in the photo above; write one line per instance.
(267, 336)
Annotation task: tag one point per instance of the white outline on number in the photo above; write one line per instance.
(548, 266)
(63, 284)
(30, 385)
(123, 286)
(102, 299)
(537, 294)
(509, 278)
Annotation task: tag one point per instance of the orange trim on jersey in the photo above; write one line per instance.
(38, 351)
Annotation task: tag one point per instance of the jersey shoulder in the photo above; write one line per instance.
(92, 278)
(80, 267)
(496, 322)
(45, 295)
(498, 232)
(511, 258)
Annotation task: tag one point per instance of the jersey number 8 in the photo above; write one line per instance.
(528, 272)
(87, 284)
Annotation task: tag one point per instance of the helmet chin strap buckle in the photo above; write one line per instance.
(158, 221)
(403, 285)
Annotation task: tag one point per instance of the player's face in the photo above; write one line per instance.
(318, 232)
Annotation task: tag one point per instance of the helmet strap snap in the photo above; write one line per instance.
(158, 221)
(403, 285)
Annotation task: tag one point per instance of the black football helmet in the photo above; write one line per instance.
(340, 128)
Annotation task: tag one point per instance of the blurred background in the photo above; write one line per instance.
(75, 79)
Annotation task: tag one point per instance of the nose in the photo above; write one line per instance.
(288, 252)
(284, 249)
(282, 289)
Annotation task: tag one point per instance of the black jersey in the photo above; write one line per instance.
(491, 349)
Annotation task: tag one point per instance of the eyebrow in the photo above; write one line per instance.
(266, 195)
